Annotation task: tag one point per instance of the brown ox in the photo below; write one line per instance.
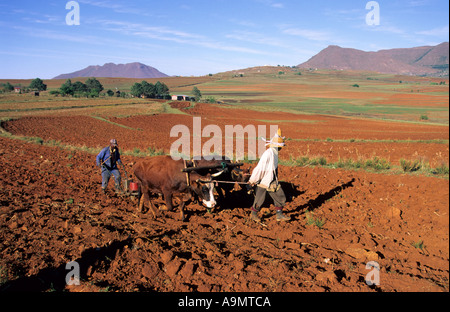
(162, 174)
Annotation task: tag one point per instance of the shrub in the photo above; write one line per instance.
(441, 169)
(377, 164)
(154, 152)
(211, 99)
(409, 165)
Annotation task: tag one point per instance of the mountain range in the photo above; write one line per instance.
(425, 60)
(130, 70)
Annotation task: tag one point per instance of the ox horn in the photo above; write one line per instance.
(217, 173)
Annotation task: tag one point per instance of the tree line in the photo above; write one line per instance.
(36, 85)
(149, 90)
(91, 88)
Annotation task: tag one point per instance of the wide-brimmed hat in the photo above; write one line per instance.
(276, 141)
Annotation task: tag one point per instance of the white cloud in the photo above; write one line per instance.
(435, 32)
(418, 3)
(308, 34)
(277, 5)
(155, 32)
(387, 29)
(118, 8)
(271, 3)
(167, 34)
(253, 37)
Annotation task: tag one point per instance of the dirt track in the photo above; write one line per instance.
(52, 212)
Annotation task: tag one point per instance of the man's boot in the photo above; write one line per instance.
(281, 216)
(254, 215)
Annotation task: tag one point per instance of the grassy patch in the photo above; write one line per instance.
(311, 220)
(151, 151)
(419, 245)
(410, 165)
(374, 164)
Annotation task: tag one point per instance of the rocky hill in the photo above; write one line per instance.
(130, 70)
(425, 60)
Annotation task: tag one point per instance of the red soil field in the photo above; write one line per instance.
(153, 131)
(53, 212)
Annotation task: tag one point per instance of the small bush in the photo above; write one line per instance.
(377, 164)
(210, 99)
(302, 161)
(441, 169)
(36, 140)
(410, 166)
(322, 161)
(136, 151)
(154, 152)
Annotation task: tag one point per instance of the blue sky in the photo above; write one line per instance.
(198, 37)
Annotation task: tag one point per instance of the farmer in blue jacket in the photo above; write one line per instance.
(107, 160)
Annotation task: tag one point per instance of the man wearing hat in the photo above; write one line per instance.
(265, 176)
(107, 159)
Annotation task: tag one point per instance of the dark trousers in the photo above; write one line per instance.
(279, 199)
(106, 174)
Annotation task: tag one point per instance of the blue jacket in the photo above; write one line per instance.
(104, 158)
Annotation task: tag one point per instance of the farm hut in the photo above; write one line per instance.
(17, 89)
(182, 98)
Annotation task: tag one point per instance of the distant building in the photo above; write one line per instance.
(182, 98)
(17, 89)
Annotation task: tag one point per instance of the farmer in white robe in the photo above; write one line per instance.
(265, 176)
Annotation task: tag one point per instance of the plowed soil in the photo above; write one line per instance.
(53, 212)
(308, 135)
